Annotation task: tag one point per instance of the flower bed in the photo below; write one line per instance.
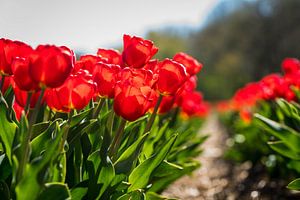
(106, 126)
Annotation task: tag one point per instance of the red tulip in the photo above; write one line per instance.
(191, 64)
(189, 86)
(113, 56)
(191, 103)
(171, 77)
(21, 97)
(8, 51)
(290, 65)
(106, 76)
(166, 104)
(87, 62)
(132, 102)
(7, 82)
(75, 93)
(18, 110)
(20, 68)
(137, 77)
(50, 65)
(137, 51)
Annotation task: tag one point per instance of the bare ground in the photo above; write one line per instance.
(220, 179)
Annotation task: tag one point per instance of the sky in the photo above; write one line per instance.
(90, 24)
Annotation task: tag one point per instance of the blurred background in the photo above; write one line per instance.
(237, 40)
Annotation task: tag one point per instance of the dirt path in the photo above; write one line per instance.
(218, 179)
(210, 180)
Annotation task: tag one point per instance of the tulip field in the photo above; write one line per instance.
(106, 126)
(124, 125)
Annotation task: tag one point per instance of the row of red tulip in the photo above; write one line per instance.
(132, 78)
(269, 87)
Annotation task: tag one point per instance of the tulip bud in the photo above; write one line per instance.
(111, 55)
(75, 93)
(137, 51)
(191, 64)
(51, 65)
(171, 77)
(9, 50)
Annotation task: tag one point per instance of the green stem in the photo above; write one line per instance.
(117, 140)
(32, 120)
(27, 106)
(98, 108)
(153, 115)
(66, 131)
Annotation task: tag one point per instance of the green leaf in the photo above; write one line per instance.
(7, 132)
(78, 193)
(39, 144)
(139, 178)
(282, 149)
(287, 135)
(76, 119)
(4, 191)
(154, 196)
(39, 128)
(125, 161)
(34, 175)
(166, 168)
(294, 185)
(57, 191)
(135, 195)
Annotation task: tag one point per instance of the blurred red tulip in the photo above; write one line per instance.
(113, 56)
(75, 93)
(106, 76)
(189, 86)
(137, 51)
(290, 65)
(10, 50)
(51, 65)
(191, 103)
(166, 104)
(171, 77)
(191, 64)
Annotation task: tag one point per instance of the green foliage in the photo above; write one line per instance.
(69, 156)
(286, 133)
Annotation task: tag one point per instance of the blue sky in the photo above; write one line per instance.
(94, 23)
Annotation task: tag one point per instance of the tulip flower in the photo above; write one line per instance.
(20, 68)
(75, 93)
(105, 75)
(132, 102)
(18, 110)
(21, 97)
(191, 102)
(5, 85)
(50, 65)
(111, 55)
(166, 104)
(88, 62)
(10, 50)
(189, 86)
(137, 51)
(171, 77)
(290, 65)
(191, 64)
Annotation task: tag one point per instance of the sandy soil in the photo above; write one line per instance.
(219, 179)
